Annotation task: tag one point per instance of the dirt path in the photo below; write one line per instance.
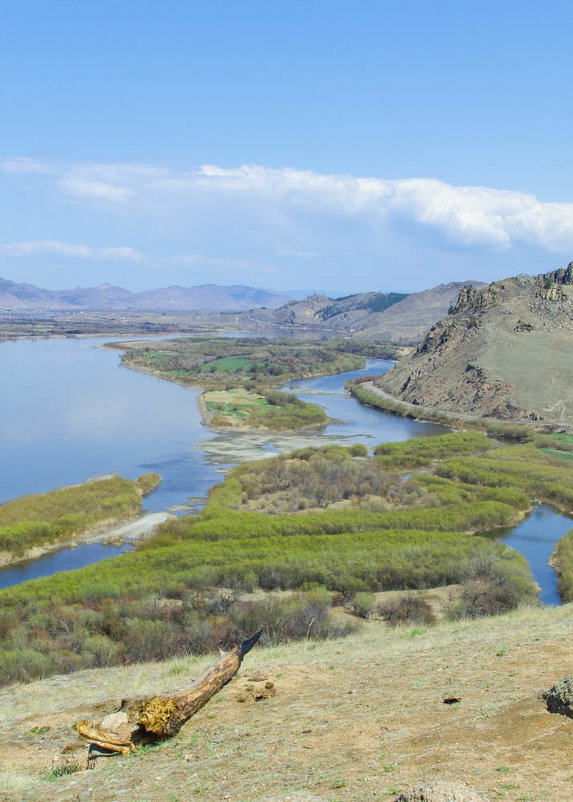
(134, 530)
(453, 416)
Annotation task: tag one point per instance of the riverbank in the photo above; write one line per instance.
(368, 393)
(37, 524)
(238, 377)
(114, 531)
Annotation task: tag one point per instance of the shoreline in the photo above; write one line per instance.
(122, 530)
(206, 414)
(452, 418)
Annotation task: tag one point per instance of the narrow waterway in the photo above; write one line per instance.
(70, 411)
(536, 537)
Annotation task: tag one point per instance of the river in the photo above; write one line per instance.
(70, 411)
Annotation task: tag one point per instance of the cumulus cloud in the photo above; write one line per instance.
(469, 216)
(463, 215)
(70, 250)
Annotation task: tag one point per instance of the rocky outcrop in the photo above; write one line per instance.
(504, 351)
(559, 698)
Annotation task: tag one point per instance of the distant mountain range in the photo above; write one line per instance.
(371, 315)
(389, 316)
(206, 297)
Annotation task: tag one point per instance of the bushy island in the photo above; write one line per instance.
(239, 375)
(36, 522)
(281, 541)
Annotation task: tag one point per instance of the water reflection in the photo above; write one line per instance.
(535, 537)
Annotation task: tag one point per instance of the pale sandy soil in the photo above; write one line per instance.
(122, 531)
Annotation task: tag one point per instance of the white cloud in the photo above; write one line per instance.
(278, 199)
(95, 190)
(22, 165)
(464, 215)
(70, 250)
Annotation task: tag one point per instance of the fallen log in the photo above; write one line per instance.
(140, 721)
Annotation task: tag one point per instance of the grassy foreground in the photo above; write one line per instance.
(354, 719)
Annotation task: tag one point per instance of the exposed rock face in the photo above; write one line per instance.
(559, 698)
(441, 792)
(505, 351)
(564, 275)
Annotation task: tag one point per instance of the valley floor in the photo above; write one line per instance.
(356, 719)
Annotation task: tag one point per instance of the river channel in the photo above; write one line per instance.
(69, 411)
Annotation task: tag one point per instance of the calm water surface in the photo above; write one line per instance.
(536, 537)
(70, 411)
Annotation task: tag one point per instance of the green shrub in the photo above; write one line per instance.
(562, 561)
(24, 665)
(489, 589)
(363, 604)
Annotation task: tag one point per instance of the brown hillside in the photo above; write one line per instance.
(406, 321)
(505, 351)
(352, 720)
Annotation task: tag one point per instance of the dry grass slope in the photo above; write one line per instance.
(357, 719)
(504, 352)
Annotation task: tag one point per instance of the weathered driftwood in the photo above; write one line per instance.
(143, 720)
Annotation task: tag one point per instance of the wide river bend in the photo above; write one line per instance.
(70, 411)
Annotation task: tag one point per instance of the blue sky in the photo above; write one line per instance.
(326, 145)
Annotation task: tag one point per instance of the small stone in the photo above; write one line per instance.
(440, 792)
(114, 722)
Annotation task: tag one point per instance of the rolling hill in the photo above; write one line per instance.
(505, 351)
(392, 316)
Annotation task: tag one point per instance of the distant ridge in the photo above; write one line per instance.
(370, 315)
(205, 297)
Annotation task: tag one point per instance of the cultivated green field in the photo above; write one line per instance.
(239, 408)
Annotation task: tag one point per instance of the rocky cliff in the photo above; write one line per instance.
(504, 351)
